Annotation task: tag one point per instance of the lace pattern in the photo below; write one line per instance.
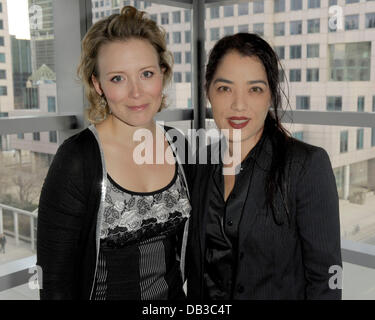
(136, 217)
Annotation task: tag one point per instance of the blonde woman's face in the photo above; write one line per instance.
(131, 79)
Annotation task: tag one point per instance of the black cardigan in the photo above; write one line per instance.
(287, 261)
(67, 216)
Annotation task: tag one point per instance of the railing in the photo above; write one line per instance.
(15, 212)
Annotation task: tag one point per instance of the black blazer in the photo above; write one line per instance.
(287, 261)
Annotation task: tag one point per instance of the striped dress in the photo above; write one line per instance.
(141, 236)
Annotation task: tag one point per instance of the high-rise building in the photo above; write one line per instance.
(42, 33)
(22, 69)
(6, 78)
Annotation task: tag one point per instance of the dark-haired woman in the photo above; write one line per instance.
(271, 231)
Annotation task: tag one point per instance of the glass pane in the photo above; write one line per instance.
(353, 160)
(24, 162)
(177, 23)
(27, 87)
(27, 59)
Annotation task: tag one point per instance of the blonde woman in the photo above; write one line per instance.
(108, 227)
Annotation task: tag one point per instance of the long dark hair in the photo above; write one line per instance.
(249, 44)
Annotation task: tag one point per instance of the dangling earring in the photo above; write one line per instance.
(103, 102)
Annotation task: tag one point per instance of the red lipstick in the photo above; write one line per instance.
(238, 122)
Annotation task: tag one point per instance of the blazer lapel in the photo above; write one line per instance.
(251, 207)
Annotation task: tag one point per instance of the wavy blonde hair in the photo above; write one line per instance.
(130, 23)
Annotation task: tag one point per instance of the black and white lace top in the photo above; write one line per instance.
(140, 241)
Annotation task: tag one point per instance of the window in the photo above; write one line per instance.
(313, 25)
(295, 5)
(228, 30)
(228, 11)
(373, 103)
(214, 34)
(1, 25)
(215, 12)
(154, 17)
(295, 52)
(20, 136)
(361, 104)
(334, 103)
(167, 37)
(349, 61)
(116, 11)
(3, 74)
(243, 9)
(3, 91)
(165, 18)
(176, 16)
(281, 75)
(295, 75)
(243, 28)
(296, 27)
(51, 104)
(187, 16)
(279, 5)
(188, 77)
(187, 57)
(177, 77)
(1, 7)
(259, 29)
(352, 22)
(298, 135)
(351, 1)
(97, 15)
(2, 57)
(372, 137)
(280, 51)
(312, 74)
(258, 6)
(137, 4)
(332, 2)
(360, 138)
(177, 37)
(177, 57)
(302, 102)
(312, 50)
(370, 20)
(36, 136)
(53, 136)
(344, 135)
(147, 4)
(187, 36)
(312, 4)
(278, 29)
(2, 41)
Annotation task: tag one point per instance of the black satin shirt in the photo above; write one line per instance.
(223, 221)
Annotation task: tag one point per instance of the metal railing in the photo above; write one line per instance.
(15, 232)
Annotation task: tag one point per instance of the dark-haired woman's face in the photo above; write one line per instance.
(240, 96)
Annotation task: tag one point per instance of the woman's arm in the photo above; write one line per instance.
(62, 207)
(318, 225)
